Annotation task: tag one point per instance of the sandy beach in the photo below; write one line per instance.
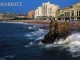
(44, 22)
(30, 21)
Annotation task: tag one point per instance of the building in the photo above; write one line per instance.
(21, 16)
(31, 14)
(7, 16)
(47, 9)
(69, 13)
(1, 16)
(38, 12)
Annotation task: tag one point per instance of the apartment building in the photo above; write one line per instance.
(31, 14)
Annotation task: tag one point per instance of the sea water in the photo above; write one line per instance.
(19, 41)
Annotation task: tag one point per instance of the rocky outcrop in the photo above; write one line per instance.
(57, 31)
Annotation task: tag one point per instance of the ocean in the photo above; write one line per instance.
(22, 41)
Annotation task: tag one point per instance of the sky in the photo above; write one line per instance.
(28, 5)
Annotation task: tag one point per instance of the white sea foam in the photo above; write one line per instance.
(30, 27)
(7, 57)
(40, 43)
(15, 22)
(40, 34)
(30, 44)
(33, 27)
(26, 46)
(72, 41)
(37, 35)
(28, 35)
(75, 42)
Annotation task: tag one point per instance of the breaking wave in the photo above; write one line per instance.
(37, 35)
(72, 41)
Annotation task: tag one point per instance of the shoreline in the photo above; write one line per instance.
(40, 22)
(44, 23)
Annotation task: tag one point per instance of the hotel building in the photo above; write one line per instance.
(47, 9)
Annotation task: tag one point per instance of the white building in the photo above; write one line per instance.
(47, 9)
(38, 12)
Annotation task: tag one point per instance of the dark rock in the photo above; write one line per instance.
(57, 31)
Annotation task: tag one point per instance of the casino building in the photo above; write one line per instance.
(68, 13)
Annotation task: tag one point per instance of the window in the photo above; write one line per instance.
(72, 13)
(62, 14)
(77, 13)
(67, 13)
(46, 9)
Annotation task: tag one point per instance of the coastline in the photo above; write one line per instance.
(29, 21)
(44, 23)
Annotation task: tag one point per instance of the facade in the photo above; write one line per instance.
(47, 9)
(6, 16)
(38, 12)
(21, 16)
(69, 13)
(1, 16)
(31, 14)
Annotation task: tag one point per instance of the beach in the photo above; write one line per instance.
(29, 21)
(45, 22)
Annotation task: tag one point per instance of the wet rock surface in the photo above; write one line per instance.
(57, 31)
